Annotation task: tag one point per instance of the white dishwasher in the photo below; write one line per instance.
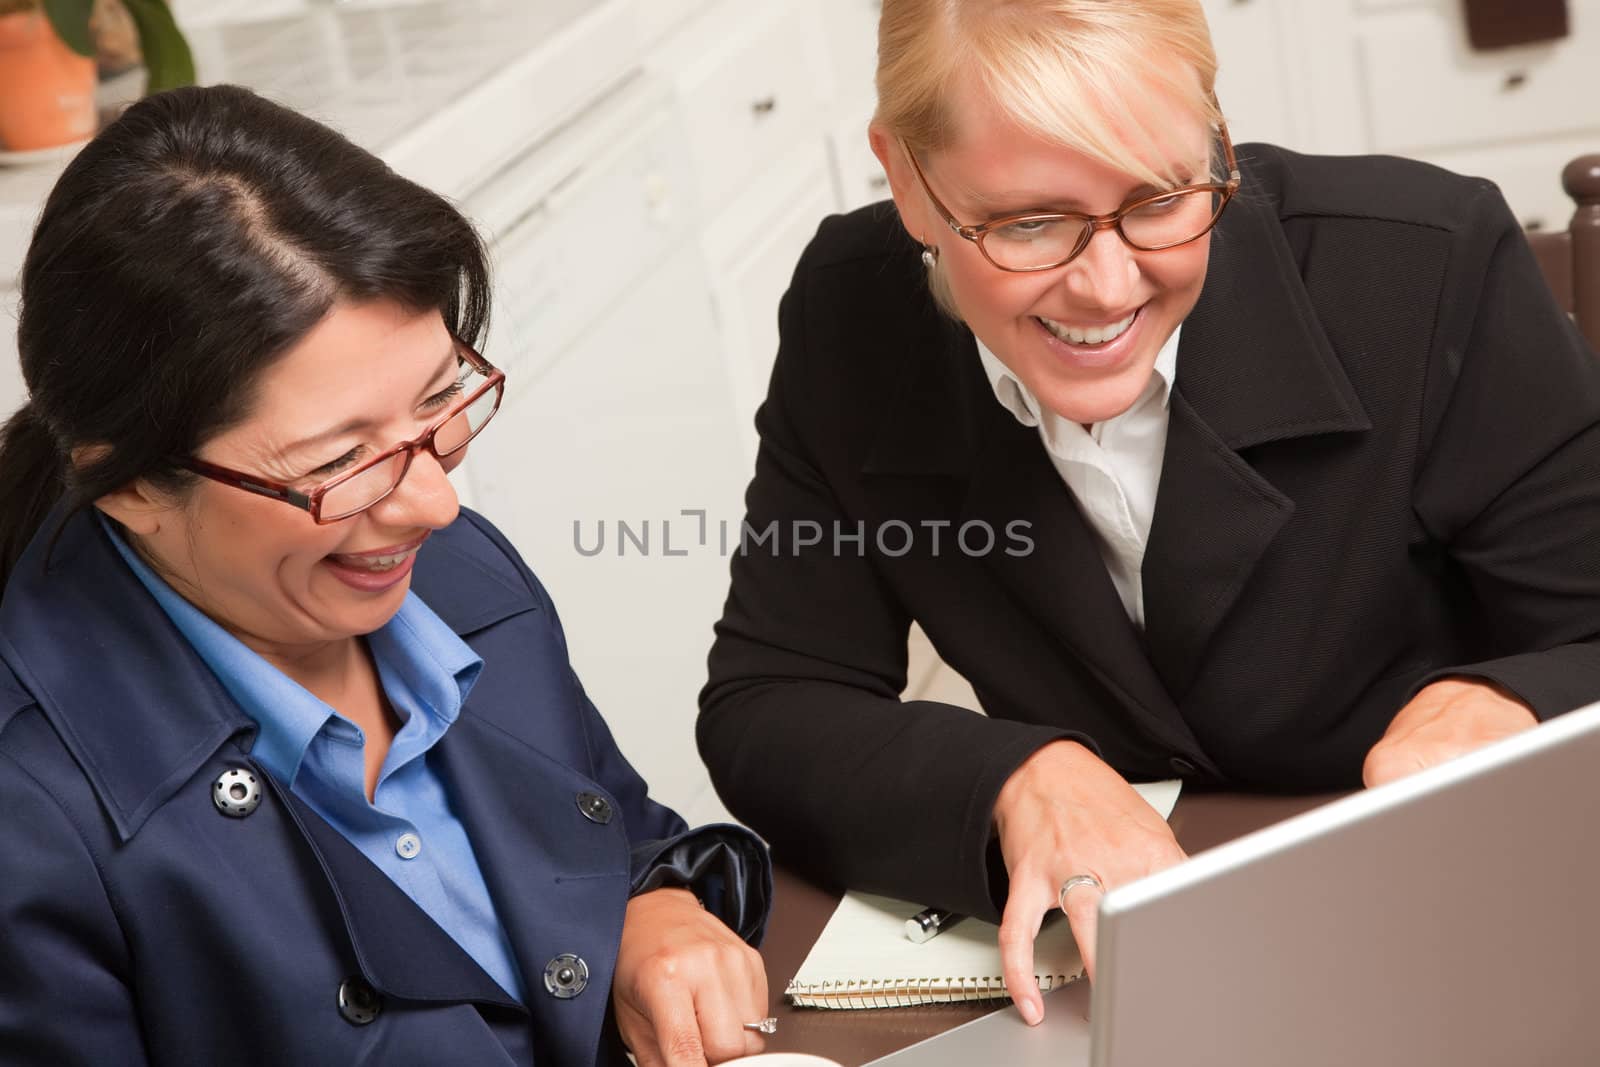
(617, 412)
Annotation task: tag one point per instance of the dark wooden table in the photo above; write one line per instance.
(800, 910)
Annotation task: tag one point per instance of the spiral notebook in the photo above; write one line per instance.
(864, 960)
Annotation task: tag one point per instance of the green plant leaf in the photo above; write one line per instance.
(166, 52)
(70, 20)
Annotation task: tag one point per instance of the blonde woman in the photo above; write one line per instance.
(1264, 470)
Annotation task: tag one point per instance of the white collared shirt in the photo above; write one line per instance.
(1112, 469)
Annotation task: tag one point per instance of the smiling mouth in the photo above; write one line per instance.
(378, 562)
(1093, 335)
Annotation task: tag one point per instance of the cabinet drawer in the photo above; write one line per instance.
(753, 82)
(572, 226)
(1426, 88)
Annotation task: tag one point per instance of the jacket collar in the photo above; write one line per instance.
(134, 704)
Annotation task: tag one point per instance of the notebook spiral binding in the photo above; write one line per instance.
(906, 992)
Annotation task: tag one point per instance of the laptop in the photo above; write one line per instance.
(1450, 918)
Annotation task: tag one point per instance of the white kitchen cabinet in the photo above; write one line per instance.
(753, 81)
(617, 414)
(751, 252)
(12, 391)
(631, 425)
(1400, 77)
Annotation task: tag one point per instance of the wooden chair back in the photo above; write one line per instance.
(1571, 258)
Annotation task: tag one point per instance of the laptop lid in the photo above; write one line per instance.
(1452, 917)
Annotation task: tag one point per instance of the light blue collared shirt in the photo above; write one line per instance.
(408, 830)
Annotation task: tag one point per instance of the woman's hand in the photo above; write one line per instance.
(1065, 812)
(1449, 718)
(685, 984)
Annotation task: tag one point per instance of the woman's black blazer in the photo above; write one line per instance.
(1383, 464)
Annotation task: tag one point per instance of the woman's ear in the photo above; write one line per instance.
(137, 505)
(909, 200)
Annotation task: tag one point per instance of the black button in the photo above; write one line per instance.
(595, 807)
(566, 976)
(359, 1003)
(1181, 766)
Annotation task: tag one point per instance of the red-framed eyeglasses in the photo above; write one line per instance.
(481, 388)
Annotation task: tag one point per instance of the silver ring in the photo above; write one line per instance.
(769, 1025)
(1077, 881)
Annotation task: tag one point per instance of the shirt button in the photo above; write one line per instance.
(236, 793)
(566, 976)
(595, 807)
(407, 846)
(359, 1003)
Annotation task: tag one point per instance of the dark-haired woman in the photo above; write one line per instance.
(293, 766)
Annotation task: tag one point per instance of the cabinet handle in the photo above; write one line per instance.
(765, 106)
(1515, 80)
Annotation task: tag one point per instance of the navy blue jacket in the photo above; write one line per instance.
(138, 924)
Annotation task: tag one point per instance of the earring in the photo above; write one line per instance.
(930, 256)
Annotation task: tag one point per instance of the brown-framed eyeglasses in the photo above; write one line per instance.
(1037, 241)
(476, 395)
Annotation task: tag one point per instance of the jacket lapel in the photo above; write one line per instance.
(551, 871)
(398, 946)
(1215, 516)
(1254, 369)
(1064, 582)
(944, 421)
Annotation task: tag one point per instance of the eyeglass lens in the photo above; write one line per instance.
(375, 483)
(1031, 244)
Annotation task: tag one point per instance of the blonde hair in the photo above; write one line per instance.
(1088, 75)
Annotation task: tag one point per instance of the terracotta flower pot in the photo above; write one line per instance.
(46, 89)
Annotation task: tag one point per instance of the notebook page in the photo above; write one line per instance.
(865, 942)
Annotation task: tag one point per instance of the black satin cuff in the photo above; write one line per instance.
(726, 866)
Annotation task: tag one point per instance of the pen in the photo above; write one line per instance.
(928, 922)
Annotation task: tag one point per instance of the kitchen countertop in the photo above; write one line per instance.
(446, 91)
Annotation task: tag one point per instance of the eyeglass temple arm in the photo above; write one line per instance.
(260, 487)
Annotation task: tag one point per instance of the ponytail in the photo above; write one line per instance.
(32, 479)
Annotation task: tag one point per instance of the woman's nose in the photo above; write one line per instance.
(1105, 273)
(424, 496)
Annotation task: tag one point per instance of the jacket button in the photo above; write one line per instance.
(566, 976)
(1181, 766)
(236, 793)
(595, 807)
(359, 1003)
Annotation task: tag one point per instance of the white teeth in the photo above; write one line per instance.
(1094, 335)
(374, 563)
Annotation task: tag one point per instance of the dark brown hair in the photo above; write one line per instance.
(183, 250)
